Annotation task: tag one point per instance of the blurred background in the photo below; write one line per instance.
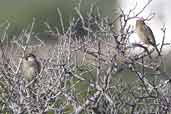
(20, 13)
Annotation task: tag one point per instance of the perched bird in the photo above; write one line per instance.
(145, 34)
(31, 67)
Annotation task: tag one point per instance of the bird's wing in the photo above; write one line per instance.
(149, 35)
(37, 65)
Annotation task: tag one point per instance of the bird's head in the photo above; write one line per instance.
(30, 57)
(140, 22)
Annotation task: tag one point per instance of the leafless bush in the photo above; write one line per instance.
(81, 76)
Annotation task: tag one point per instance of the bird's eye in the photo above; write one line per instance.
(26, 58)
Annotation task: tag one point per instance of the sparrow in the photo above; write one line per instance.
(145, 34)
(31, 67)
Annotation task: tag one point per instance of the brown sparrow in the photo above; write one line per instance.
(145, 34)
(31, 67)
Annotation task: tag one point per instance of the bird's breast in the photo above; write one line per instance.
(141, 34)
(29, 71)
